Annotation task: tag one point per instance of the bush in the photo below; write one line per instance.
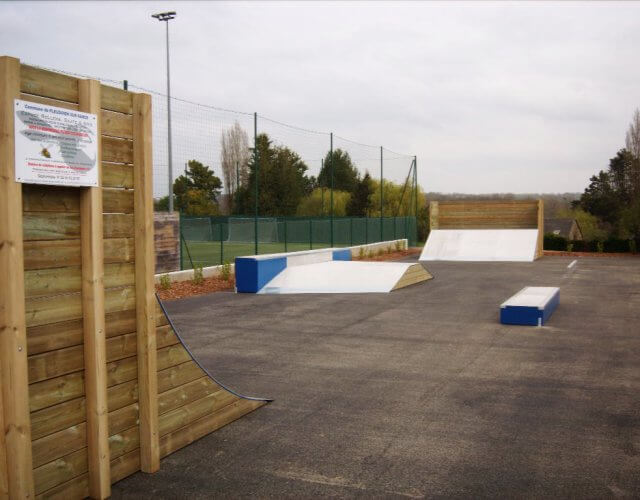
(165, 282)
(616, 245)
(569, 247)
(361, 253)
(633, 246)
(197, 276)
(554, 242)
(600, 247)
(225, 271)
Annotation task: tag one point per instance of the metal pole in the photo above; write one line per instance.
(125, 85)
(322, 187)
(310, 234)
(256, 171)
(381, 192)
(221, 245)
(285, 234)
(415, 177)
(331, 166)
(169, 127)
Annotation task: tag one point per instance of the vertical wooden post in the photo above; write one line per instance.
(95, 357)
(145, 291)
(16, 473)
(4, 480)
(433, 215)
(13, 341)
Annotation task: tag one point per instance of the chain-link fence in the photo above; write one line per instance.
(305, 180)
(210, 241)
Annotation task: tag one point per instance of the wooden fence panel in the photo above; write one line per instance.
(96, 383)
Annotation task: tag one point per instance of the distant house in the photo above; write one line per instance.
(567, 228)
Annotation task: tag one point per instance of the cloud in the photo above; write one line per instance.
(491, 97)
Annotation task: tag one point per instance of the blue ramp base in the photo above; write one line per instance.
(530, 306)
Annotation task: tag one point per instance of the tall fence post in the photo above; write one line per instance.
(381, 193)
(366, 230)
(351, 230)
(93, 314)
(310, 234)
(221, 245)
(415, 187)
(17, 472)
(285, 234)
(331, 166)
(256, 159)
(322, 188)
(145, 289)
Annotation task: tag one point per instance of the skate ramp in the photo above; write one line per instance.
(346, 277)
(328, 270)
(506, 245)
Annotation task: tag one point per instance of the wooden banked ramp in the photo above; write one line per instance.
(414, 274)
(191, 404)
(95, 382)
(493, 230)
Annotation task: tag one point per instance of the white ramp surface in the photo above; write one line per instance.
(338, 277)
(481, 245)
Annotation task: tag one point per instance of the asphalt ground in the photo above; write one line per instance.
(421, 392)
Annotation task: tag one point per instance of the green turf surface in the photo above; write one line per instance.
(211, 253)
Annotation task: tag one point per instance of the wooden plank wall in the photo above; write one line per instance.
(484, 214)
(190, 403)
(187, 403)
(511, 214)
(53, 291)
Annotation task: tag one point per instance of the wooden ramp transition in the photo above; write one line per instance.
(96, 382)
(415, 274)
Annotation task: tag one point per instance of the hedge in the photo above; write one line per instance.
(613, 245)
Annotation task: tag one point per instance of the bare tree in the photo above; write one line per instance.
(234, 158)
(633, 135)
(633, 147)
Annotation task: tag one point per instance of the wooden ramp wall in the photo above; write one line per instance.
(96, 385)
(491, 214)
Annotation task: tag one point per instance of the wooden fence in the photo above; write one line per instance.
(493, 214)
(96, 384)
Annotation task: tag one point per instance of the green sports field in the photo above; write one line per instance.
(213, 253)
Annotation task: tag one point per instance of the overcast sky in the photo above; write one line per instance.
(527, 97)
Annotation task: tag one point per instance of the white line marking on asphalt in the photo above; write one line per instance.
(573, 263)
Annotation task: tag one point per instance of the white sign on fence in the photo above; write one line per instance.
(55, 145)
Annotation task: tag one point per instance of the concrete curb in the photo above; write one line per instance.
(215, 271)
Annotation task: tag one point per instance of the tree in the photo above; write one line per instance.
(196, 192)
(360, 202)
(395, 202)
(632, 141)
(633, 147)
(345, 173)
(317, 203)
(234, 159)
(614, 195)
(282, 182)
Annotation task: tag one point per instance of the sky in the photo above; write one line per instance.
(490, 96)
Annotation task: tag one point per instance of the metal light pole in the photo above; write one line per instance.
(166, 17)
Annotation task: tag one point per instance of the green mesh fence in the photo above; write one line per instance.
(211, 241)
